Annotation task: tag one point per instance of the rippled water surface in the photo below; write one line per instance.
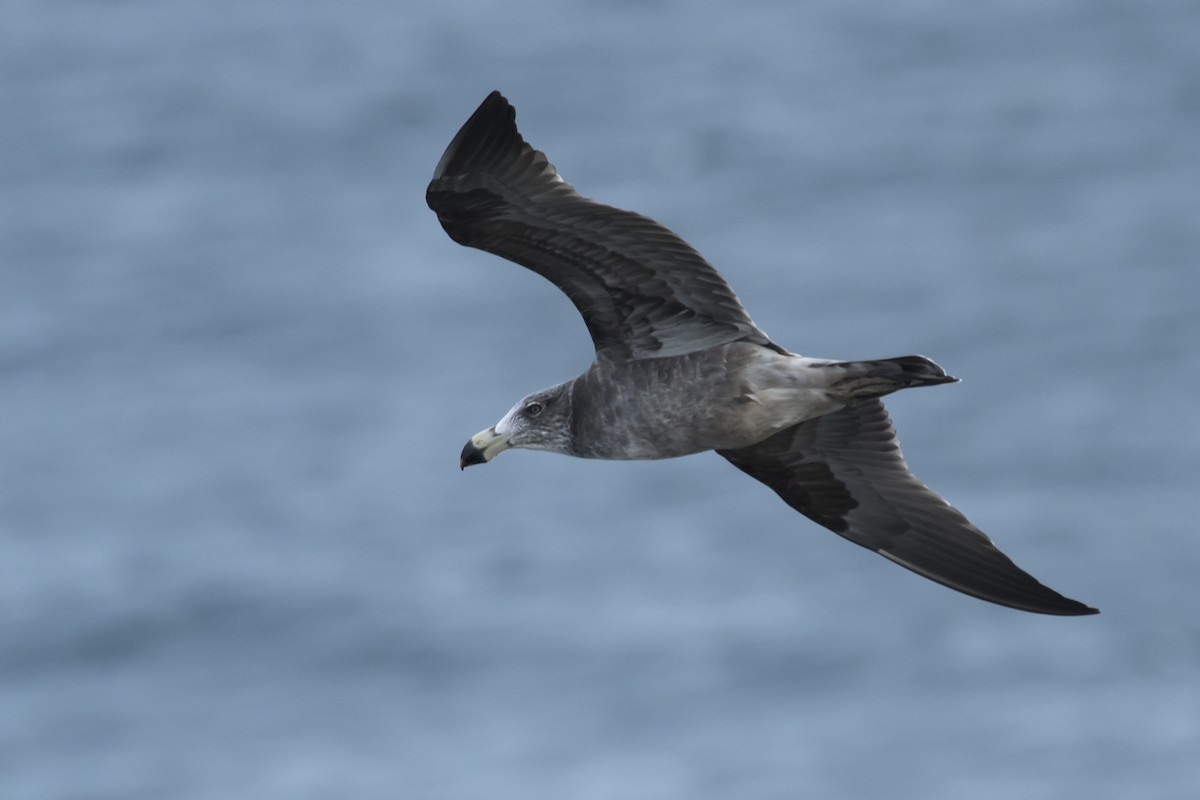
(239, 357)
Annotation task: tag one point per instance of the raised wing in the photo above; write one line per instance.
(643, 292)
(845, 471)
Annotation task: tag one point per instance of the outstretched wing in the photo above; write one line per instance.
(845, 471)
(643, 292)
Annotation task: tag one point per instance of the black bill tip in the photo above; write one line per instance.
(471, 455)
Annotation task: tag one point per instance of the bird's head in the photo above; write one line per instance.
(541, 421)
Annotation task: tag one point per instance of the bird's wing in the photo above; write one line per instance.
(643, 292)
(845, 471)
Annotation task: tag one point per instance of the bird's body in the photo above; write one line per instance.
(739, 394)
(681, 368)
(741, 397)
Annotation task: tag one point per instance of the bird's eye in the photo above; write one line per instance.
(533, 409)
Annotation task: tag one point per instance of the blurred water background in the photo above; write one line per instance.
(239, 357)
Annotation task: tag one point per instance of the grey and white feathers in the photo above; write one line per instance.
(681, 368)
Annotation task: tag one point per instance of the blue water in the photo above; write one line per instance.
(239, 357)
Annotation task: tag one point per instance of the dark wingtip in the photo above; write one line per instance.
(484, 166)
(494, 113)
(1048, 601)
(1066, 608)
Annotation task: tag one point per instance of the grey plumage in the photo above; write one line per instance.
(681, 368)
(643, 291)
(845, 471)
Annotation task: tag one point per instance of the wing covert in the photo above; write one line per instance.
(643, 292)
(845, 471)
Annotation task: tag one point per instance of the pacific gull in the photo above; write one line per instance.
(681, 368)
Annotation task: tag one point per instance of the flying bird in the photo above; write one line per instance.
(680, 368)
